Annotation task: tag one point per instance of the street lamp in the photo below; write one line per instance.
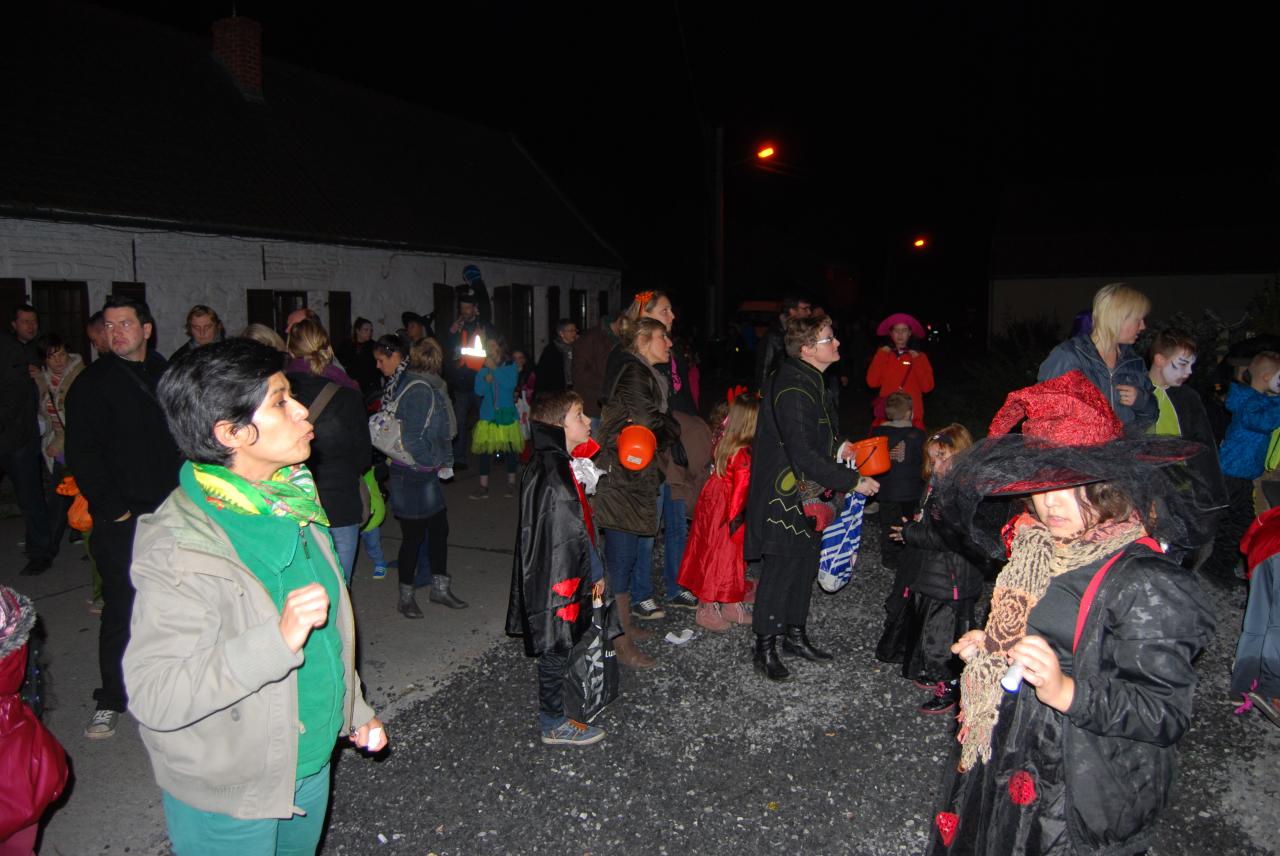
(715, 294)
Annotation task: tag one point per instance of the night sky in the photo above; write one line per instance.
(890, 120)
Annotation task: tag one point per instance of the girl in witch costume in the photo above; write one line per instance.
(1078, 758)
(557, 571)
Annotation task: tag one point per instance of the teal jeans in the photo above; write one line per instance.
(207, 833)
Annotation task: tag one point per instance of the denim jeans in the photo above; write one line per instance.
(25, 466)
(346, 540)
(208, 833)
(675, 531)
(630, 562)
(372, 541)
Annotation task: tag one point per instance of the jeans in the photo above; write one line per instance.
(211, 834)
(630, 562)
(346, 540)
(25, 467)
(372, 540)
(675, 532)
(511, 459)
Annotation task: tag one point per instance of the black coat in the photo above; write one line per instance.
(118, 442)
(931, 566)
(341, 451)
(549, 372)
(19, 397)
(903, 482)
(797, 423)
(552, 547)
(627, 500)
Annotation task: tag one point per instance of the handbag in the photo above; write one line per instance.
(840, 543)
(592, 679)
(384, 428)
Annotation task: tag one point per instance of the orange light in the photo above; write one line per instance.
(766, 152)
(918, 243)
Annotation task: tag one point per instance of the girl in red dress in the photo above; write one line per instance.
(713, 567)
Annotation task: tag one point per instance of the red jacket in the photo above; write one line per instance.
(909, 372)
(33, 766)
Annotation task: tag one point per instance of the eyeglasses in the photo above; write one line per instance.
(826, 341)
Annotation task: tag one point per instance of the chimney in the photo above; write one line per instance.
(237, 43)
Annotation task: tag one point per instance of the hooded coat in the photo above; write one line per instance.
(550, 602)
(1080, 353)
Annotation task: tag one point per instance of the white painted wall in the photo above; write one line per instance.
(1060, 298)
(181, 269)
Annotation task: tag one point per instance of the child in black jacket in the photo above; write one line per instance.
(900, 488)
(938, 604)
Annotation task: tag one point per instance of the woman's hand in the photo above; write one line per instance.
(867, 486)
(969, 645)
(304, 610)
(597, 590)
(1040, 669)
(895, 534)
(372, 736)
(1126, 394)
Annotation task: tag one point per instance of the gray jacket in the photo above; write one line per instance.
(211, 682)
(1079, 352)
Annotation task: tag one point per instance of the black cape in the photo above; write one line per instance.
(550, 603)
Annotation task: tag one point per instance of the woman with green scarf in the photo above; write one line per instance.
(240, 668)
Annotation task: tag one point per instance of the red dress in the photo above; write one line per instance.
(713, 567)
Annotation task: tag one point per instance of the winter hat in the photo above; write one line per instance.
(917, 329)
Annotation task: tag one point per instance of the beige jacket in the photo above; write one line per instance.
(210, 679)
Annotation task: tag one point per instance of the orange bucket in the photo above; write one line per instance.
(636, 445)
(871, 456)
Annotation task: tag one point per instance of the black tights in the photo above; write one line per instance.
(435, 530)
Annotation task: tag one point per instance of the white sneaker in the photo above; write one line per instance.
(103, 724)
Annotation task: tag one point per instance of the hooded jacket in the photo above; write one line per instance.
(550, 601)
(1258, 651)
(1079, 352)
(1253, 417)
(211, 681)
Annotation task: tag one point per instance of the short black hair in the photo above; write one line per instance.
(22, 307)
(564, 324)
(793, 301)
(358, 323)
(390, 343)
(222, 382)
(139, 307)
(47, 343)
(95, 318)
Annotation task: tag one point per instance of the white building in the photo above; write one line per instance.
(140, 161)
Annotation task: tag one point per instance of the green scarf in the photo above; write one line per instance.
(290, 492)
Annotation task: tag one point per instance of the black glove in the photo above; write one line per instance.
(679, 455)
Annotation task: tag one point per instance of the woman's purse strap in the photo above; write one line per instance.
(1092, 590)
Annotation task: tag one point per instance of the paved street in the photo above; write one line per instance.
(702, 756)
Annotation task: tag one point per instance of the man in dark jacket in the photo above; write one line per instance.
(462, 380)
(554, 372)
(771, 350)
(20, 455)
(795, 452)
(126, 463)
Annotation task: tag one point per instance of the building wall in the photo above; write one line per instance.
(181, 269)
(1060, 298)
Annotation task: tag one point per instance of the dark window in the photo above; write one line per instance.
(521, 332)
(445, 311)
(502, 315)
(578, 308)
(63, 308)
(339, 317)
(262, 307)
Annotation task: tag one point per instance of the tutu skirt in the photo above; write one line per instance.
(489, 438)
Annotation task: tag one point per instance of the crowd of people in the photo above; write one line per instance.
(232, 486)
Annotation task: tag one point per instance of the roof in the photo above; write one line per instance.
(112, 119)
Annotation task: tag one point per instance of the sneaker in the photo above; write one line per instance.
(923, 682)
(647, 609)
(572, 733)
(684, 600)
(103, 724)
(1266, 707)
(379, 571)
(944, 698)
(479, 493)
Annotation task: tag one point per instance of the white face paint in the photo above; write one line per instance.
(1273, 385)
(1178, 369)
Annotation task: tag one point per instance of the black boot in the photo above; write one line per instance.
(442, 593)
(767, 660)
(797, 642)
(408, 604)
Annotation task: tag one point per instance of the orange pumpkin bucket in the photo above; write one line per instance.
(636, 445)
(474, 357)
(871, 456)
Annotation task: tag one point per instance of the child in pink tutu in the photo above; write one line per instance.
(713, 567)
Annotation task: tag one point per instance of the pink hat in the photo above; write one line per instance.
(900, 318)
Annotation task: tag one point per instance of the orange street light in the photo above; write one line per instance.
(765, 153)
(918, 243)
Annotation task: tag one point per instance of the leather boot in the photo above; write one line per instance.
(408, 605)
(767, 660)
(631, 629)
(440, 592)
(797, 642)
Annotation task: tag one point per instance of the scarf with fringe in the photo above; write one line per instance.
(1035, 558)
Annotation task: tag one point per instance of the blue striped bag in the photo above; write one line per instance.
(840, 542)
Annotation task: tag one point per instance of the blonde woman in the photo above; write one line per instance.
(1106, 355)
